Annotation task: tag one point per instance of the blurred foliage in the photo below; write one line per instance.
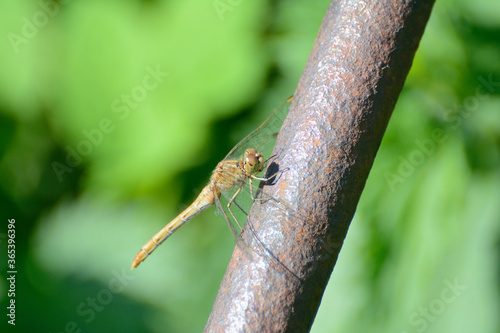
(113, 115)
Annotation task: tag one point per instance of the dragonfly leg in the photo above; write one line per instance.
(254, 197)
(265, 179)
(231, 202)
(251, 189)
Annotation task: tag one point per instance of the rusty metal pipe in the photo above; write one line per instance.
(326, 147)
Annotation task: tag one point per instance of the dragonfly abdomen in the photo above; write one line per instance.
(202, 202)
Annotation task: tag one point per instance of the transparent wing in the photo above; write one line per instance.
(263, 140)
(263, 137)
(236, 214)
(240, 208)
(222, 209)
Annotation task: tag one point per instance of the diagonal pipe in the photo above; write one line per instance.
(327, 145)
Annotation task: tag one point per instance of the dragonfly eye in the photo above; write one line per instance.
(251, 160)
(254, 160)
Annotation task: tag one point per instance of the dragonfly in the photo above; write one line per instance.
(239, 168)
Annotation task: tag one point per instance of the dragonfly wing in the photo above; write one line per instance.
(240, 206)
(263, 137)
(226, 216)
(240, 209)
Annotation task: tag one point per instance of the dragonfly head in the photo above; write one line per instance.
(254, 161)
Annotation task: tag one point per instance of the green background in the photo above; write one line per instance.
(422, 253)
